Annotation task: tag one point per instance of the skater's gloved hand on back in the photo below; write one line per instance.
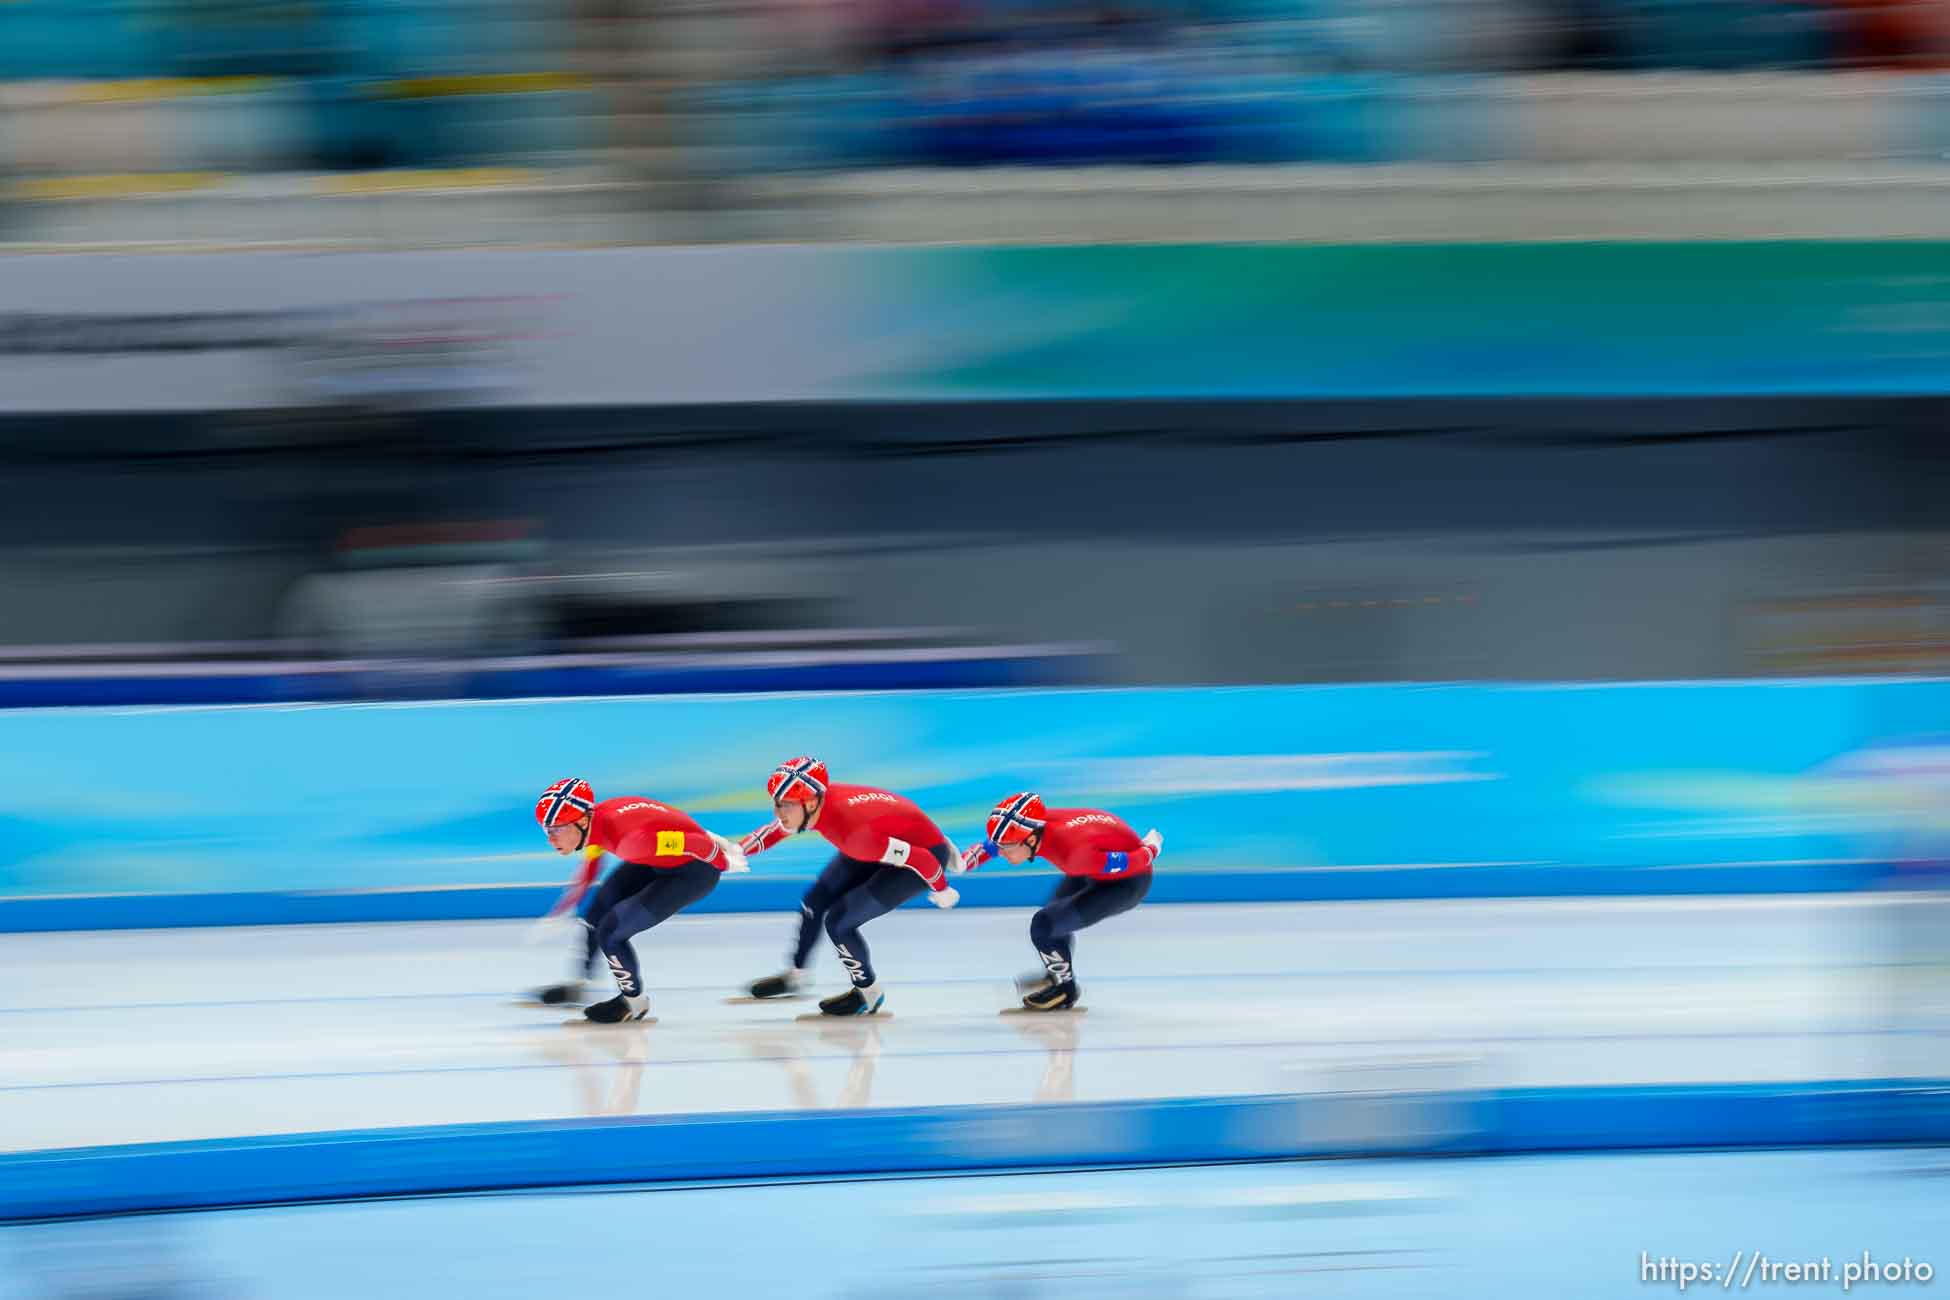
(1153, 841)
(944, 898)
(734, 855)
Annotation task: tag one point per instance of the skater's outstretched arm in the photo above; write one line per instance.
(572, 894)
(765, 837)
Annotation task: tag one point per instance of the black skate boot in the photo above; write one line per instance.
(1027, 984)
(777, 986)
(854, 1002)
(618, 1010)
(556, 995)
(1052, 996)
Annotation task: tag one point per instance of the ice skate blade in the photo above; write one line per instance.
(584, 1022)
(749, 1001)
(821, 1018)
(1031, 1011)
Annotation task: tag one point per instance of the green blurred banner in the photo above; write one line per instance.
(1434, 320)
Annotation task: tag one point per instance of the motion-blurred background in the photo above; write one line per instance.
(1318, 340)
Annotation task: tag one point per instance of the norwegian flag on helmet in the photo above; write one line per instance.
(1016, 818)
(797, 780)
(565, 801)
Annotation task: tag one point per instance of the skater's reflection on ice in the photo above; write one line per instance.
(606, 1067)
(857, 1039)
(1059, 1033)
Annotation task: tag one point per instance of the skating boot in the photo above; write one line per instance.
(618, 1010)
(556, 995)
(854, 1002)
(777, 986)
(1052, 996)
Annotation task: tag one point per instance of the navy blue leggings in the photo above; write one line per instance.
(847, 895)
(633, 899)
(1078, 903)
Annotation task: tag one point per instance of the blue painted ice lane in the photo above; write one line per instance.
(1387, 1229)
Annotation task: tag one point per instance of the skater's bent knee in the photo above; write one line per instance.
(1052, 923)
(616, 928)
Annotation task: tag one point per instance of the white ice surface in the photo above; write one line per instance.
(135, 1036)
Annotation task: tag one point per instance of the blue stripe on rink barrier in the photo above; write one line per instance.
(765, 893)
(653, 1149)
(277, 684)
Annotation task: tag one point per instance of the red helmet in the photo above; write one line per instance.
(565, 803)
(1017, 818)
(797, 780)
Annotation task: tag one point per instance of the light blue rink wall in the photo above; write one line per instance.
(154, 817)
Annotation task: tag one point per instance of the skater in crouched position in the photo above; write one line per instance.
(888, 852)
(666, 863)
(1106, 868)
